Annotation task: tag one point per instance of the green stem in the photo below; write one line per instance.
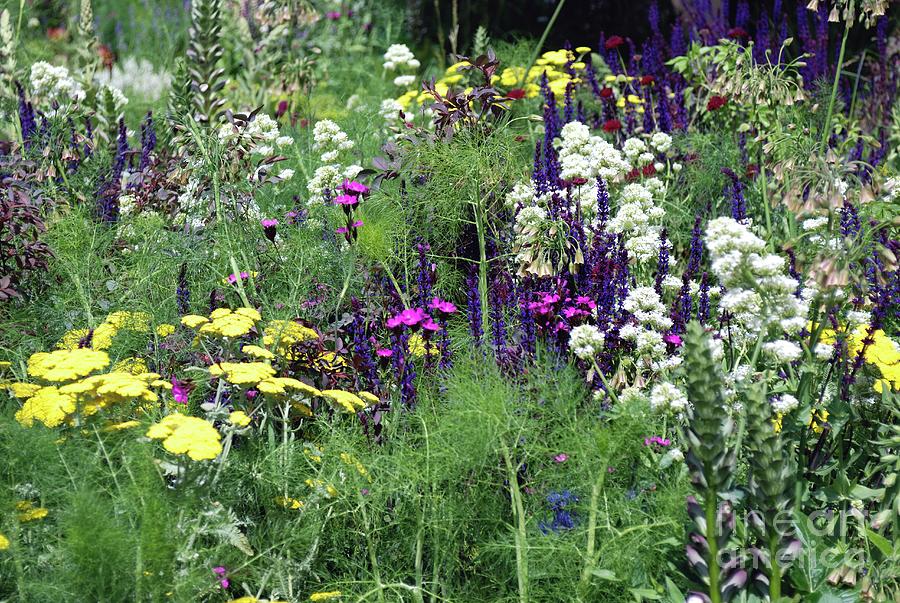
(373, 558)
(592, 533)
(540, 44)
(480, 219)
(775, 570)
(715, 595)
(519, 513)
(765, 199)
(826, 127)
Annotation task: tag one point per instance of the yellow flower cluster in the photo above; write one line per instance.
(224, 322)
(282, 335)
(71, 388)
(286, 502)
(239, 418)
(4, 542)
(326, 489)
(883, 353)
(102, 337)
(351, 461)
(418, 348)
(325, 596)
(242, 373)
(28, 512)
(249, 599)
(348, 401)
(550, 62)
(181, 434)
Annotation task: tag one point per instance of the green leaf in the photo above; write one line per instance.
(641, 594)
(673, 591)
(604, 574)
(880, 542)
(863, 493)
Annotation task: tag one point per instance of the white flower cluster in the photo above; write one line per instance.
(667, 397)
(638, 219)
(259, 137)
(758, 292)
(585, 341)
(584, 156)
(661, 141)
(51, 83)
(652, 320)
(521, 194)
(330, 139)
(783, 350)
(784, 404)
(530, 218)
(137, 77)
(398, 57)
(892, 188)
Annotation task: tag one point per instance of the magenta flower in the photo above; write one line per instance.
(562, 457)
(333, 15)
(342, 230)
(384, 352)
(357, 188)
(673, 339)
(179, 391)
(439, 305)
(346, 200)
(357, 223)
(233, 278)
(221, 572)
(429, 325)
(269, 230)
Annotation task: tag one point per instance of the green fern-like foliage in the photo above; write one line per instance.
(204, 52)
(771, 485)
(711, 460)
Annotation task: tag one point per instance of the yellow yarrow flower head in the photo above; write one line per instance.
(131, 321)
(330, 595)
(28, 512)
(256, 351)
(288, 503)
(66, 365)
(282, 335)
(110, 388)
(239, 418)
(347, 401)
(135, 366)
(242, 373)
(181, 434)
(4, 542)
(46, 405)
(227, 323)
(418, 347)
(192, 321)
(165, 329)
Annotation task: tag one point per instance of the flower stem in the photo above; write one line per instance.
(712, 540)
(519, 514)
(826, 127)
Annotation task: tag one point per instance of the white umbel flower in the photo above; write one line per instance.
(586, 341)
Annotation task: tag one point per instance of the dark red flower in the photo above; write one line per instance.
(648, 170)
(281, 109)
(716, 102)
(607, 93)
(612, 125)
(738, 33)
(516, 93)
(752, 171)
(632, 175)
(647, 80)
(614, 42)
(578, 181)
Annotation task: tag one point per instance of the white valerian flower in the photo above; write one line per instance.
(783, 351)
(677, 167)
(645, 158)
(667, 397)
(404, 81)
(54, 84)
(586, 341)
(399, 56)
(521, 194)
(823, 351)
(661, 141)
(784, 403)
(814, 223)
(858, 318)
(638, 219)
(582, 155)
(136, 77)
(633, 147)
(328, 136)
(644, 303)
(286, 174)
(284, 141)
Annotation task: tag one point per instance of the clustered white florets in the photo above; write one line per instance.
(638, 219)
(137, 77)
(398, 57)
(260, 137)
(667, 397)
(586, 341)
(783, 351)
(54, 84)
(758, 292)
(331, 141)
(652, 320)
(784, 404)
(584, 156)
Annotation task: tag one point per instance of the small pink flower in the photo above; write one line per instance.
(179, 391)
(673, 339)
(562, 457)
(269, 223)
